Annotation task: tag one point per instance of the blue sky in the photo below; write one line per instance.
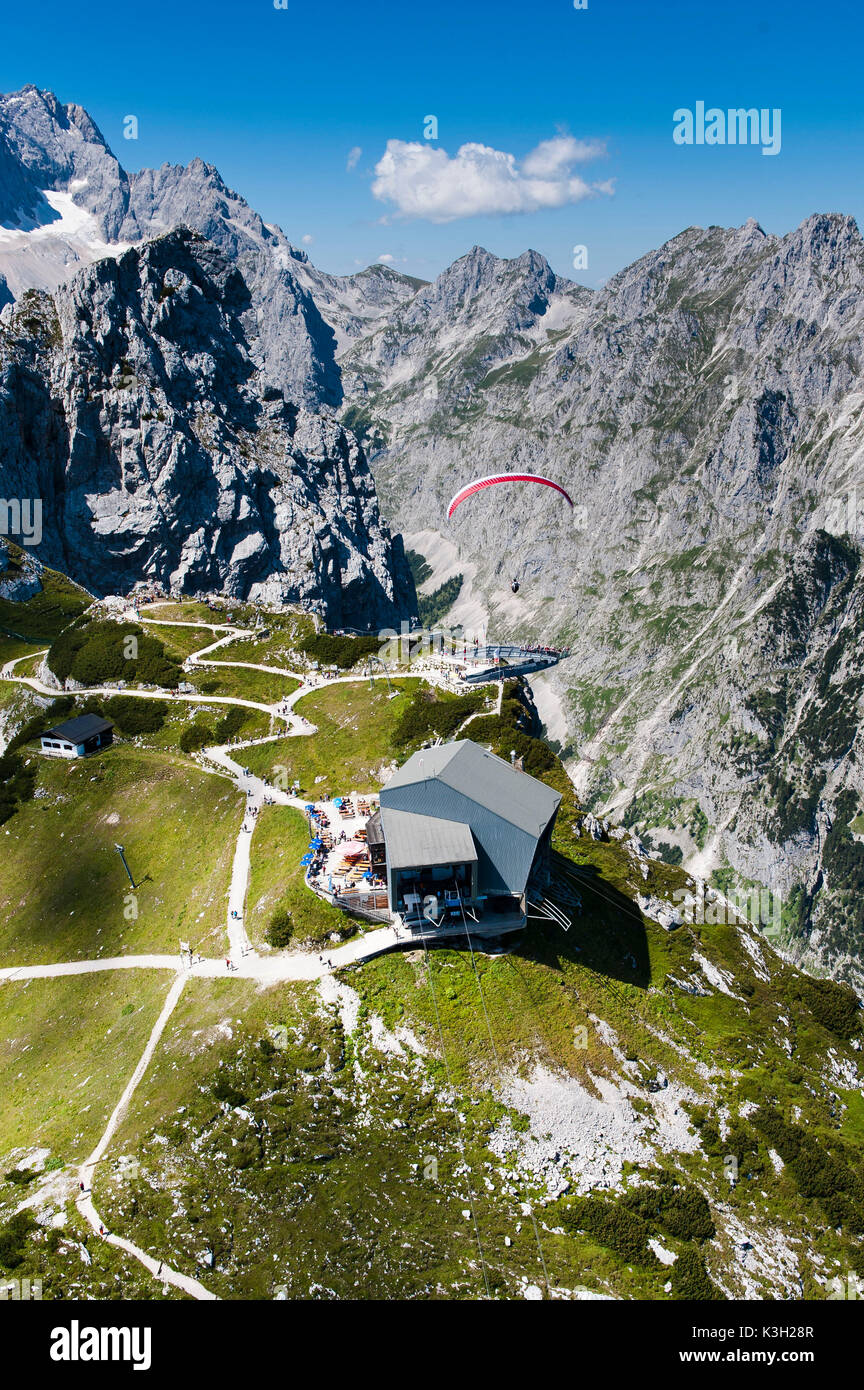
(276, 99)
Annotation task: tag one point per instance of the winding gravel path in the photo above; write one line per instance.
(84, 1200)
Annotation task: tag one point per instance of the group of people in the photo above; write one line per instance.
(251, 811)
(560, 652)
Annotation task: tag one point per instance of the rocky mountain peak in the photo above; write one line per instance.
(60, 148)
(160, 450)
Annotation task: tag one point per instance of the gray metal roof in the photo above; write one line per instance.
(413, 840)
(514, 796)
(507, 811)
(374, 832)
(80, 729)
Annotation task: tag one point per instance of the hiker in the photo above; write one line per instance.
(227, 963)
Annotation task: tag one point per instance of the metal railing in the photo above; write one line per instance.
(372, 905)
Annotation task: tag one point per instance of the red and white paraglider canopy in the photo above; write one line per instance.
(495, 478)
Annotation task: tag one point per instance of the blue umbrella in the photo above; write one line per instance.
(337, 801)
(307, 859)
(309, 808)
(317, 842)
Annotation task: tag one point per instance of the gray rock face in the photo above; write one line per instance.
(56, 146)
(20, 197)
(291, 341)
(20, 573)
(131, 405)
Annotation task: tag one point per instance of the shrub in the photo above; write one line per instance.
(830, 1176)
(610, 1224)
(135, 716)
(13, 1236)
(17, 783)
(504, 734)
(281, 928)
(196, 736)
(96, 651)
(690, 1279)
(742, 1144)
(834, 1005)
(679, 1210)
(432, 607)
(224, 1091)
(686, 1215)
(344, 652)
(420, 570)
(230, 724)
(670, 854)
(427, 716)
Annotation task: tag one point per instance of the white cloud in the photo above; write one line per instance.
(386, 258)
(421, 180)
(353, 155)
(307, 239)
(554, 157)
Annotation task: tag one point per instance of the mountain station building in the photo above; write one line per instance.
(466, 836)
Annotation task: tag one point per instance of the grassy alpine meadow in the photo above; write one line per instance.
(12, 649)
(180, 641)
(355, 737)
(68, 1046)
(67, 1049)
(281, 646)
(185, 611)
(264, 687)
(30, 666)
(39, 619)
(63, 892)
(276, 881)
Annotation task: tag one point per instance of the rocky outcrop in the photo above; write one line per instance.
(130, 404)
(20, 573)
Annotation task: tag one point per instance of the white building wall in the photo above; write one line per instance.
(56, 748)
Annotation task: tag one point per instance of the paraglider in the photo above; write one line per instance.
(493, 479)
